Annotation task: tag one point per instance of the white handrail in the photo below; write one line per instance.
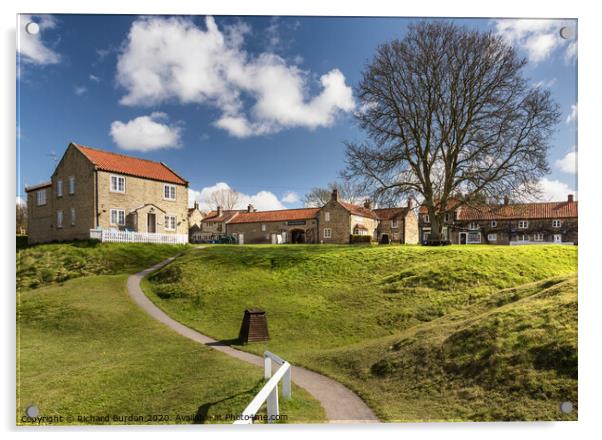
(269, 391)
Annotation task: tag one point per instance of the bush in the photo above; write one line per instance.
(359, 239)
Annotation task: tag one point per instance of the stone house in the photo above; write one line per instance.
(91, 189)
(213, 225)
(514, 224)
(397, 225)
(195, 218)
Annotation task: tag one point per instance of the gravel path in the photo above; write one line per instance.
(340, 404)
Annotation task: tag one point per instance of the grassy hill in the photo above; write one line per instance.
(58, 262)
(85, 348)
(322, 299)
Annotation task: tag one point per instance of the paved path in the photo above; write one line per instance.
(340, 404)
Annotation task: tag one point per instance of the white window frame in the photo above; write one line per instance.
(522, 237)
(538, 236)
(327, 216)
(447, 217)
(493, 223)
(394, 224)
(41, 197)
(59, 188)
(115, 188)
(523, 224)
(556, 223)
(72, 215)
(426, 218)
(327, 233)
(59, 219)
(473, 226)
(167, 192)
(263, 227)
(492, 237)
(171, 222)
(559, 237)
(118, 211)
(71, 185)
(472, 234)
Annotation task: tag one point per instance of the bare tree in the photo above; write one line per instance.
(226, 198)
(21, 220)
(348, 191)
(446, 110)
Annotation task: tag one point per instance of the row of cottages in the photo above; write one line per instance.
(335, 222)
(98, 194)
(507, 223)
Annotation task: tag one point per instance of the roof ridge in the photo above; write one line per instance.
(123, 155)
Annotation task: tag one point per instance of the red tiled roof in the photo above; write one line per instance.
(132, 166)
(547, 210)
(359, 210)
(281, 215)
(390, 213)
(450, 204)
(223, 217)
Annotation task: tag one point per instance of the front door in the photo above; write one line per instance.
(557, 238)
(463, 237)
(151, 225)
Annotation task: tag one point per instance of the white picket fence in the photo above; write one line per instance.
(114, 235)
(269, 391)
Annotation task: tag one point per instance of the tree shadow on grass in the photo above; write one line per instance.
(201, 416)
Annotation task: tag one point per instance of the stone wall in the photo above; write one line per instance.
(410, 228)
(508, 230)
(339, 223)
(253, 233)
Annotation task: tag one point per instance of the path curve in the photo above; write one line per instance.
(340, 404)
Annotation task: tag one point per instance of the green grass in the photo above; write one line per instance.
(84, 348)
(321, 299)
(45, 264)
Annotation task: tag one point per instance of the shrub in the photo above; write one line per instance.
(360, 239)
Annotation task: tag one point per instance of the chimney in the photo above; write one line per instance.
(506, 200)
(410, 203)
(335, 195)
(571, 198)
(250, 208)
(219, 211)
(196, 205)
(367, 204)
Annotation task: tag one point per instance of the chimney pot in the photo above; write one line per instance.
(196, 205)
(250, 208)
(219, 211)
(506, 200)
(571, 198)
(410, 203)
(367, 204)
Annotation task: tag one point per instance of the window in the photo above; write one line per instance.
(556, 223)
(493, 224)
(117, 217)
(557, 238)
(118, 184)
(41, 197)
(59, 219)
(327, 233)
(425, 236)
(473, 226)
(473, 238)
(538, 237)
(263, 227)
(59, 188)
(71, 185)
(327, 216)
(426, 218)
(523, 224)
(170, 222)
(447, 217)
(169, 192)
(72, 216)
(491, 237)
(393, 223)
(522, 237)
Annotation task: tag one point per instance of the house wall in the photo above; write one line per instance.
(370, 223)
(340, 223)
(254, 235)
(139, 192)
(39, 218)
(410, 228)
(507, 230)
(195, 218)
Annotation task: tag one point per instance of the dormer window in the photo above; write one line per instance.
(556, 223)
(493, 224)
(523, 224)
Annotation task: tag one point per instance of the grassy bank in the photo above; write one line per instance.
(85, 349)
(45, 264)
(324, 298)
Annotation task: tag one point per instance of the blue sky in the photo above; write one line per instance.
(259, 104)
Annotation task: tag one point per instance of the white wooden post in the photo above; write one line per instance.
(286, 384)
(267, 364)
(273, 409)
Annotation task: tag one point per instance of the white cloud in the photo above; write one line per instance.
(167, 59)
(31, 47)
(538, 38)
(572, 117)
(94, 78)
(545, 84)
(146, 133)
(554, 190)
(80, 90)
(568, 164)
(20, 201)
(290, 197)
(262, 200)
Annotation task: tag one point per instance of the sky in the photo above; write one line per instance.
(262, 105)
